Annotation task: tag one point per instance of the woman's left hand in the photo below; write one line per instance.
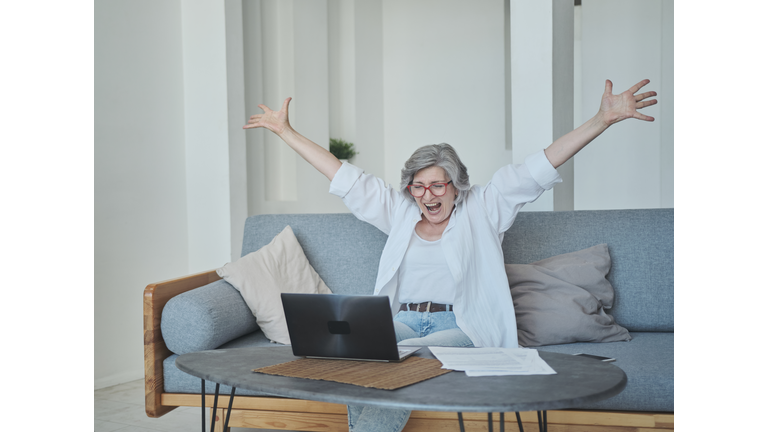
(615, 108)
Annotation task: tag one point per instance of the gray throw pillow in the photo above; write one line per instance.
(563, 299)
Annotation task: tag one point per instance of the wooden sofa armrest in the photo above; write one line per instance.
(155, 297)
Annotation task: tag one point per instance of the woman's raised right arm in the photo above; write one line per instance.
(277, 122)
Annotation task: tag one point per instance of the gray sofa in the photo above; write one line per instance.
(344, 251)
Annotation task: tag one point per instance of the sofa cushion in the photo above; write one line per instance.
(261, 276)
(563, 299)
(649, 362)
(205, 318)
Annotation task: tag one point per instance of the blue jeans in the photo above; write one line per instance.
(411, 328)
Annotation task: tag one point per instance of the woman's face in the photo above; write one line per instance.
(435, 209)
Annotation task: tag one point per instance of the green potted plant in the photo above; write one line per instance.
(343, 150)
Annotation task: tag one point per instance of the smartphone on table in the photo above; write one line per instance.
(605, 359)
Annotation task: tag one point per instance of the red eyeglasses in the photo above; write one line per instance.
(437, 189)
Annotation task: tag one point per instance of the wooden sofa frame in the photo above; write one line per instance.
(302, 415)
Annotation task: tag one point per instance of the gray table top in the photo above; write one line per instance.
(578, 380)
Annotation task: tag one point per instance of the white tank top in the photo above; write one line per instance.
(424, 274)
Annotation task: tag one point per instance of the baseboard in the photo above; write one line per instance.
(118, 378)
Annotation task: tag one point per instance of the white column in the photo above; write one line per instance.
(254, 95)
(341, 68)
(356, 94)
(311, 114)
(369, 86)
(562, 93)
(356, 79)
(667, 106)
(236, 116)
(214, 146)
(542, 84)
(278, 70)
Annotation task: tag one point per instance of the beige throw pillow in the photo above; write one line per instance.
(279, 267)
(563, 299)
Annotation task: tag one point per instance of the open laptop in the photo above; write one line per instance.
(348, 327)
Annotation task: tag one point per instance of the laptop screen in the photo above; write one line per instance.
(340, 326)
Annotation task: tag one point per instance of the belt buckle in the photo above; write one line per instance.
(429, 307)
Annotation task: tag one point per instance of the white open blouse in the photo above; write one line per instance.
(471, 242)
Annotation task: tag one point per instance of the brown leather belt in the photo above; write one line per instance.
(423, 307)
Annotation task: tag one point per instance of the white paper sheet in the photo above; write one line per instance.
(492, 361)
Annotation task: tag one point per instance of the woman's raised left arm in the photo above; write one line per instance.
(613, 109)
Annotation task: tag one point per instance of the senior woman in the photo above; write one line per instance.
(442, 265)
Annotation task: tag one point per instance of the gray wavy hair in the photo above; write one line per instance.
(443, 156)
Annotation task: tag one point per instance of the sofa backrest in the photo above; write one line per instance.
(345, 252)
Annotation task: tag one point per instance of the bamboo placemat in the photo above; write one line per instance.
(385, 376)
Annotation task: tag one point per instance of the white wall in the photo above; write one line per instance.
(139, 174)
(631, 164)
(444, 82)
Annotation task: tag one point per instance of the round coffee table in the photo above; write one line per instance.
(578, 380)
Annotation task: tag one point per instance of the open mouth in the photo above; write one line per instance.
(433, 208)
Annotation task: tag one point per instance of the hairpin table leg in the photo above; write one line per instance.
(490, 422)
(461, 422)
(202, 405)
(542, 422)
(519, 421)
(215, 403)
(229, 409)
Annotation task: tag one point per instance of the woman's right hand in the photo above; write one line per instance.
(276, 121)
